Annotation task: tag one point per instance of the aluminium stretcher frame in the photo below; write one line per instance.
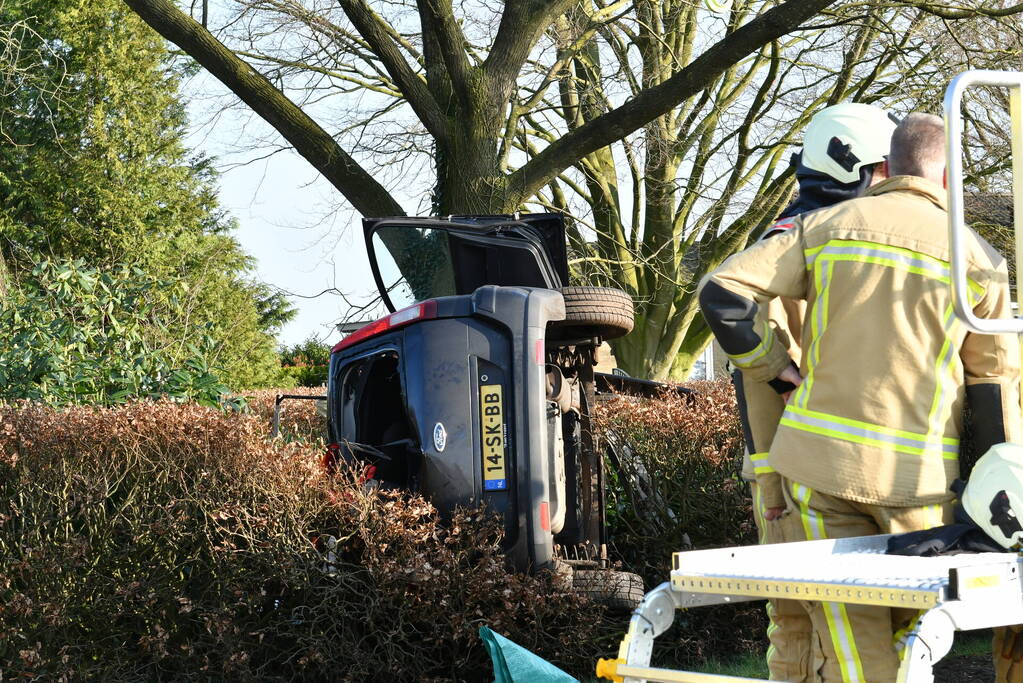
(954, 593)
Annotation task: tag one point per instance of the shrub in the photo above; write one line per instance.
(679, 487)
(76, 334)
(171, 541)
(305, 364)
(299, 419)
(162, 541)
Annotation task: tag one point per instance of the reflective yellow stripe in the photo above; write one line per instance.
(772, 626)
(821, 259)
(881, 429)
(899, 637)
(818, 323)
(813, 525)
(868, 434)
(811, 255)
(936, 516)
(886, 255)
(760, 463)
(945, 370)
(758, 513)
(834, 612)
(745, 360)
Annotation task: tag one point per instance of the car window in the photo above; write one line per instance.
(414, 263)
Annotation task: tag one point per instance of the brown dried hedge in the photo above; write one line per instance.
(160, 541)
(300, 419)
(691, 496)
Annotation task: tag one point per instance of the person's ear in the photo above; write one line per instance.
(885, 169)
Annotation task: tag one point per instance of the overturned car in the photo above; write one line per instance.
(479, 385)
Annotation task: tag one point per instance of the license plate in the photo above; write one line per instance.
(492, 421)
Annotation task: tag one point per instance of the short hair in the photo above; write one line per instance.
(918, 147)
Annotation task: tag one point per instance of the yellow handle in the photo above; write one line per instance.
(608, 668)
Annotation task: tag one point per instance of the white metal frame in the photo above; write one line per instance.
(957, 232)
(954, 593)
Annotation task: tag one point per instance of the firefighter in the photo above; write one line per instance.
(868, 442)
(823, 181)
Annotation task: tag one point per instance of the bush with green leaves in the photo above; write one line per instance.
(95, 165)
(76, 334)
(305, 364)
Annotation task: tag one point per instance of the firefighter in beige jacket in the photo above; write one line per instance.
(868, 443)
(842, 145)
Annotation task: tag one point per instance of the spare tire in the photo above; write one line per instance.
(593, 312)
(618, 590)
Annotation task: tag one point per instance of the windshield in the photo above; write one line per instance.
(415, 263)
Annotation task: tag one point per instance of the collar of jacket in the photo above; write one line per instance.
(913, 184)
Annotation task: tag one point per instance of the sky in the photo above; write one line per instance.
(289, 219)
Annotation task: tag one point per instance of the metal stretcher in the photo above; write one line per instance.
(955, 593)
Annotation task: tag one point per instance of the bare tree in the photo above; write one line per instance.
(543, 101)
(703, 179)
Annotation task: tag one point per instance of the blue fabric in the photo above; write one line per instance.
(818, 190)
(515, 664)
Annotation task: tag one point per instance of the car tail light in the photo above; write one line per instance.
(424, 310)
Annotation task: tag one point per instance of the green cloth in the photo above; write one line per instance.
(515, 664)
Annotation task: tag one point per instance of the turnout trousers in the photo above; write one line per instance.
(1008, 653)
(859, 642)
(794, 654)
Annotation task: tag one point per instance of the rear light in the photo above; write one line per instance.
(424, 310)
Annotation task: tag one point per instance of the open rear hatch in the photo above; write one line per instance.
(414, 259)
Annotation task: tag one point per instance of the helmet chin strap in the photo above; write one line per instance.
(866, 178)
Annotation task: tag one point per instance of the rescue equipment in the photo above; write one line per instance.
(955, 593)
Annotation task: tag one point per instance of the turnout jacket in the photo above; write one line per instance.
(760, 403)
(761, 406)
(886, 364)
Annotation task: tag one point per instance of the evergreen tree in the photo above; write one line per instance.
(92, 166)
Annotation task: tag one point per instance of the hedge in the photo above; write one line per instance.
(161, 541)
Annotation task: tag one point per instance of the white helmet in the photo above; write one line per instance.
(843, 138)
(993, 497)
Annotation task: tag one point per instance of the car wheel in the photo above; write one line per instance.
(594, 312)
(618, 590)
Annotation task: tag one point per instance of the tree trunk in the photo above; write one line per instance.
(469, 179)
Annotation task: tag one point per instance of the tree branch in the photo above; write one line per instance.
(522, 23)
(660, 99)
(451, 42)
(321, 150)
(961, 12)
(377, 34)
